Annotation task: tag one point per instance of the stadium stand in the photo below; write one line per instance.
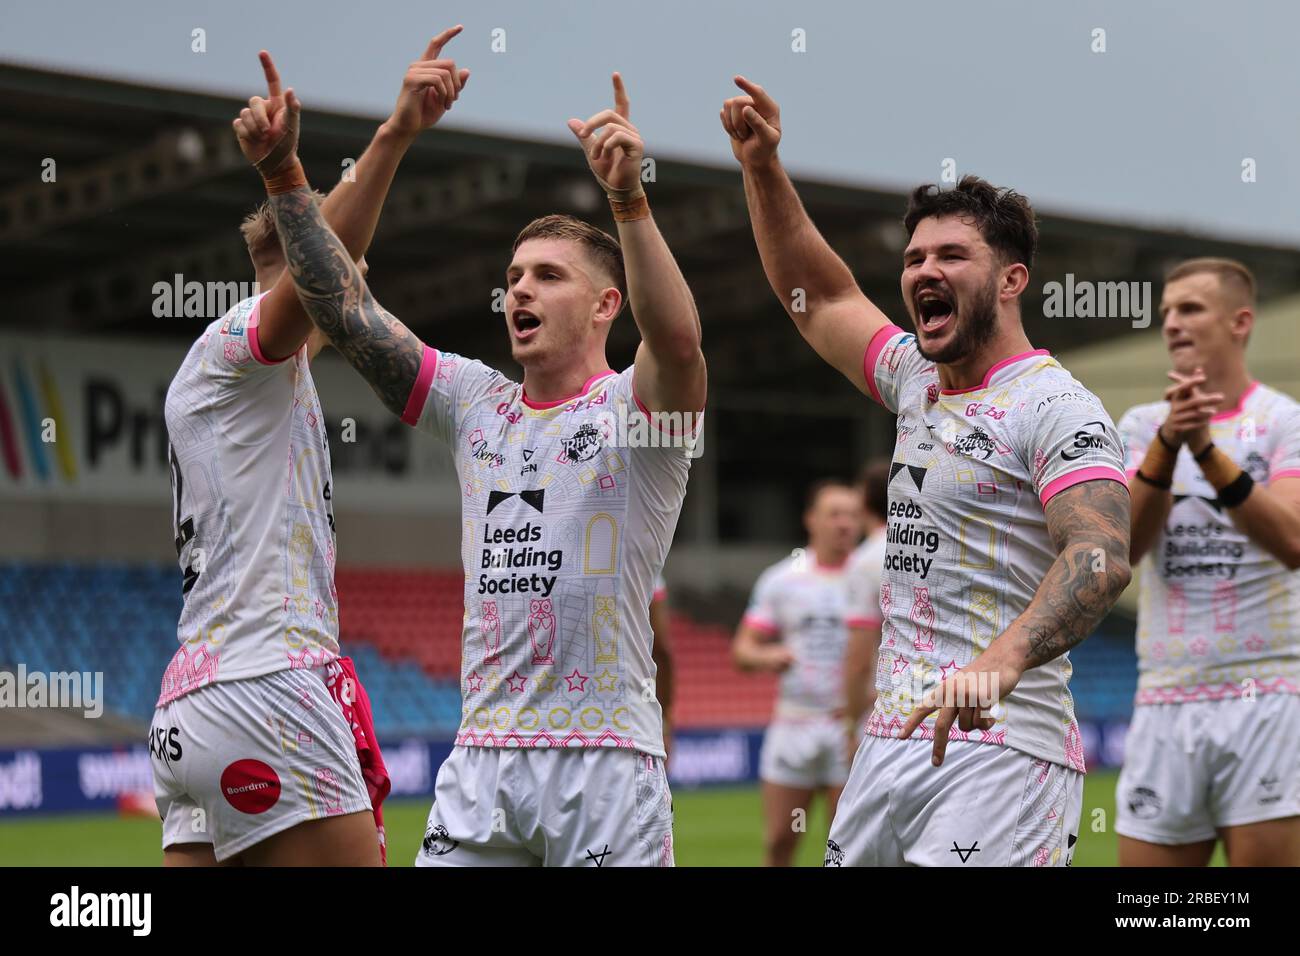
(402, 627)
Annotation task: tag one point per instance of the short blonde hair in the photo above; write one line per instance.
(258, 229)
(1232, 275)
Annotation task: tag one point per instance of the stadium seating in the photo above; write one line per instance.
(402, 627)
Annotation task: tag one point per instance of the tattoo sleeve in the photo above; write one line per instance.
(1089, 527)
(331, 289)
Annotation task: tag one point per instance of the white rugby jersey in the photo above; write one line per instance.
(251, 511)
(967, 540)
(1218, 616)
(866, 567)
(564, 532)
(805, 605)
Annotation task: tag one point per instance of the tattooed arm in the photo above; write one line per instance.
(1089, 527)
(331, 288)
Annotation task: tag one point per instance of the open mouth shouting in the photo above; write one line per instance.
(935, 309)
(524, 324)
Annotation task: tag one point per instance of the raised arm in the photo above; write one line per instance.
(329, 283)
(334, 294)
(670, 369)
(832, 314)
(1089, 527)
(429, 88)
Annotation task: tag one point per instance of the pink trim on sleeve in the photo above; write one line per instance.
(1096, 472)
(874, 348)
(761, 624)
(251, 332)
(862, 622)
(1130, 473)
(1284, 473)
(420, 390)
(659, 594)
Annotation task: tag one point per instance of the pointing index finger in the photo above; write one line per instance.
(272, 75)
(621, 104)
(762, 101)
(437, 43)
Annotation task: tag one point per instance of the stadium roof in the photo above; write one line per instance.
(150, 184)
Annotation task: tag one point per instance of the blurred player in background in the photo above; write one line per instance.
(559, 759)
(255, 743)
(1008, 521)
(866, 565)
(661, 652)
(1214, 748)
(797, 625)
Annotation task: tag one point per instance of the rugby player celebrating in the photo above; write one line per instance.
(1008, 519)
(256, 735)
(559, 759)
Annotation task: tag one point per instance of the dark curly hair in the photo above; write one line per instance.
(1003, 217)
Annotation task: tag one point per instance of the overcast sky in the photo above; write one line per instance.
(1153, 130)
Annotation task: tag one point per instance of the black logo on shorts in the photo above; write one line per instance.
(599, 858)
(966, 853)
(165, 744)
(1269, 783)
(438, 842)
(834, 854)
(1144, 803)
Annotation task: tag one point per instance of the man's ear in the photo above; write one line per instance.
(611, 304)
(1242, 324)
(1015, 281)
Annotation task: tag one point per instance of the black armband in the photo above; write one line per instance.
(1232, 495)
(1162, 485)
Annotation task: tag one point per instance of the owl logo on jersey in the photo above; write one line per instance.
(541, 630)
(604, 629)
(490, 628)
(922, 617)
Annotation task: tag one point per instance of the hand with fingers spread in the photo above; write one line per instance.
(267, 129)
(429, 89)
(966, 697)
(753, 122)
(614, 154)
(1190, 411)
